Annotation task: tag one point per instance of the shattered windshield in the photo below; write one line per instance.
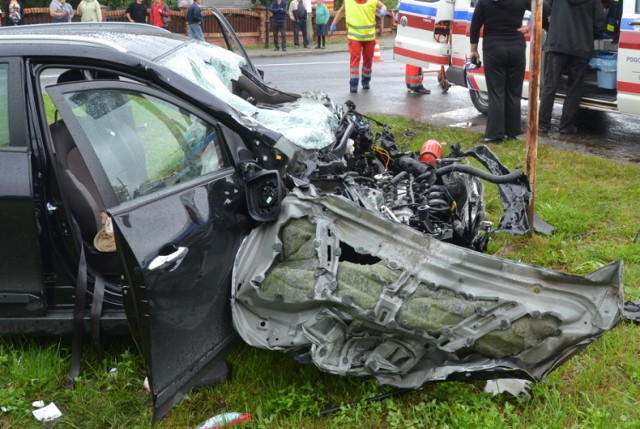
(307, 121)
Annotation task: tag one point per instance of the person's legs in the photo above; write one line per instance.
(513, 91)
(276, 29)
(368, 49)
(413, 79)
(495, 74)
(354, 64)
(283, 33)
(576, 68)
(305, 36)
(553, 67)
(198, 32)
(296, 29)
(195, 32)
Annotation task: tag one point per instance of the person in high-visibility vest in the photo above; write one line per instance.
(413, 78)
(361, 32)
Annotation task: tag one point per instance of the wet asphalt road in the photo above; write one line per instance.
(604, 134)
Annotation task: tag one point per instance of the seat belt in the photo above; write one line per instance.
(96, 312)
(77, 333)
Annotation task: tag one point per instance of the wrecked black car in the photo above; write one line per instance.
(147, 182)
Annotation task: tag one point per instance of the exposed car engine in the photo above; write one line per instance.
(443, 197)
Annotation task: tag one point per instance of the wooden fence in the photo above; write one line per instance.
(249, 25)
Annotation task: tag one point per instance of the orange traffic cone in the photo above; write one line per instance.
(376, 52)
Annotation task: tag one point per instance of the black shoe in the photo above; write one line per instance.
(511, 138)
(353, 89)
(490, 140)
(420, 91)
(365, 86)
(571, 129)
(317, 47)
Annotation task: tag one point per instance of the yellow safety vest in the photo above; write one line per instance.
(361, 20)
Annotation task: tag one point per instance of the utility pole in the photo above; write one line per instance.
(535, 55)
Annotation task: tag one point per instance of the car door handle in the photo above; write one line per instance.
(635, 22)
(170, 261)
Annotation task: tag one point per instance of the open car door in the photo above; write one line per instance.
(423, 32)
(162, 172)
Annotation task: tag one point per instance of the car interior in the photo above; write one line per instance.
(81, 193)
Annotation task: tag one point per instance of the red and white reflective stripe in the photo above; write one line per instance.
(629, 40)
(631, 88)
(419, 22)
(443, 60)
(459, 27)
(471, 81)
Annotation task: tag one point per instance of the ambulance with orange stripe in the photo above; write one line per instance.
(436, 33)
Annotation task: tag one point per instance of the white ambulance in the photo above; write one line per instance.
(436, 32)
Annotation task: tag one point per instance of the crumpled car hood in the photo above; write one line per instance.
(356, 294)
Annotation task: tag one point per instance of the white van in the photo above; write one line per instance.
(436, 32)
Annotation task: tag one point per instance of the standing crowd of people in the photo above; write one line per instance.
(159, 15)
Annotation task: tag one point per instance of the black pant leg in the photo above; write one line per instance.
(495, 60)
(305, 36)
(516, 64)
(554, 64)
(276, 29)
(576, 68)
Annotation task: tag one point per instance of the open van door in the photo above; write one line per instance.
(423, 36)
(629, 59)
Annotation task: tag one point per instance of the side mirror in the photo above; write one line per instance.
(264, 194)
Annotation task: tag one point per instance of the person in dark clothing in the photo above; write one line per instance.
(504, 62)
(194, 19)
(298, 14)
(573, 26)
(137, 12)
(13, 12)
(279, 10)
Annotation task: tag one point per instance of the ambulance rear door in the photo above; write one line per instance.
(460, 46)
(423, 35)
(628, 75)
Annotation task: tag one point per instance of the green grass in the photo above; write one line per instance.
(592, 201)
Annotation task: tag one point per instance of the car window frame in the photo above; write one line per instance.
(82, 141)
(17, 120)
(233, 43)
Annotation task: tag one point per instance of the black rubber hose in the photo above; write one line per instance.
(493, 178)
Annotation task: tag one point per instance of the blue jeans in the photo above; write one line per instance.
(195, 32)
(300, 25)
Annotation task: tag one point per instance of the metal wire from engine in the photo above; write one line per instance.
(383, 154)
(473, 171)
